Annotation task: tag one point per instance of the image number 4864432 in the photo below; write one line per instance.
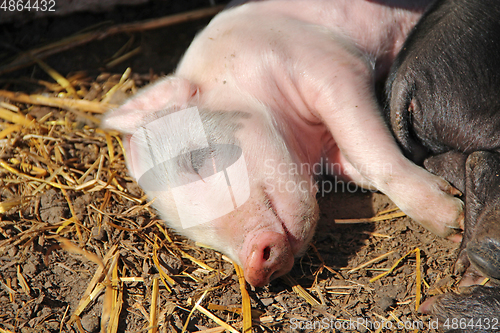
(28, 6)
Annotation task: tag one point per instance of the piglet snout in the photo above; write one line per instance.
(270, 256)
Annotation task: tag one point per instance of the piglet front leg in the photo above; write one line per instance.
(350, 111)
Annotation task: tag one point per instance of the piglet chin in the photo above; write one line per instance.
(266, 256)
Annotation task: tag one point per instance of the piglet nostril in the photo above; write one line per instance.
(266, 253)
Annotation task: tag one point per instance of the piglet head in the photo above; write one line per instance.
(224, 178)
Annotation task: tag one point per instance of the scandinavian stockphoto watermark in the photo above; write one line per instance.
(327, 177)
(172, 154)
(371, 324)
(359, 324)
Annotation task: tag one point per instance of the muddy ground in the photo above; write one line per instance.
(42, 281)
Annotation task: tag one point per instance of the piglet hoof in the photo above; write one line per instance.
(452, 231)
(427, 199)
(462, 263)
(270, 257)
(452, 191)
(455, 237)
(427, 307)
(440, 213)
(455, 232)
(445, 212)
(485, 256)
(471, 277)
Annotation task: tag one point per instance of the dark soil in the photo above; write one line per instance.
(106, 223)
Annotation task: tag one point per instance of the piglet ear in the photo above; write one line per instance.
(168, 93)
